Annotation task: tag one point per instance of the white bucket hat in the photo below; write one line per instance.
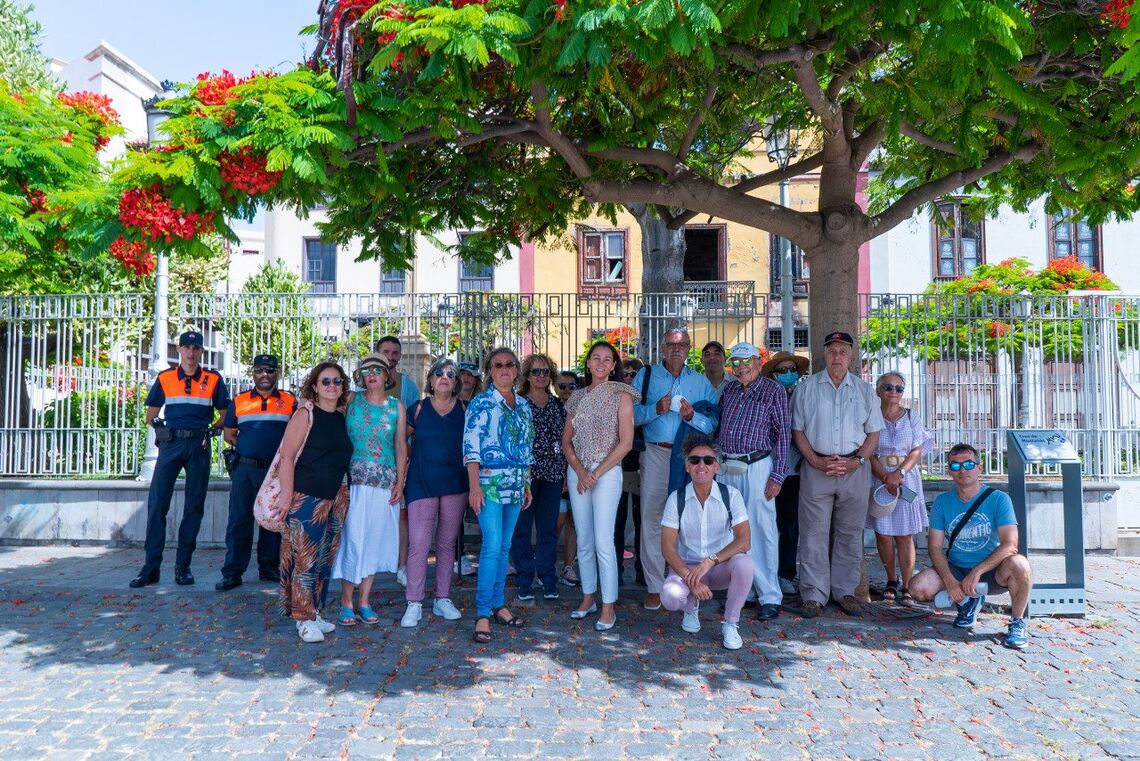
(882, 502)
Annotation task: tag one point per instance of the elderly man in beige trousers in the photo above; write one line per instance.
(836, 421)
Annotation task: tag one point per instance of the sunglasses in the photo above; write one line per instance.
(786, 369)
(898, 389)
(629, 373)
(707, 459)
(371, 371)
(738, 362)
(442, 373)
(540, 371)
(332, 381)
(503, 365)
(567, 386)
(964, 465)
(264, 370)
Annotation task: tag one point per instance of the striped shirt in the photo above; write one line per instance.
(757, 418)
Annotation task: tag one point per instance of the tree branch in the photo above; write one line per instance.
(868, 140)
(814, 161)
(830, 117)
(758, 59)
(695, 123)
(901, 209)
(649, 157)
(939, 145)
(858, 60)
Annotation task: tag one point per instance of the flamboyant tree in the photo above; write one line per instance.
(512, 114)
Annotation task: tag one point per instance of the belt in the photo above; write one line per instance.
(662, 444)
(751, 457)
(849, 454)
(194, 434)
(253, 461)
(892, 459)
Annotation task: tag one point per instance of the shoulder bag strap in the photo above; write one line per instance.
(966, 518)
(645, 383)
(724, 497)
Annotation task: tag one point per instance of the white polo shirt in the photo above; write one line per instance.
(705, 528)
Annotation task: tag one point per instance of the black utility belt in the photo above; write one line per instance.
(197, 433)
(751, 457)
(252, 461)
(849, 454)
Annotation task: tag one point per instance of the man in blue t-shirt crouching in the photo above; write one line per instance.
(983, 550)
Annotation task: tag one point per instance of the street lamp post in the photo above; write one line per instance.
(781, 149)
(155, 116)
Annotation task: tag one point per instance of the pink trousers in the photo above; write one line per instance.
(735, 575)
(423, 515)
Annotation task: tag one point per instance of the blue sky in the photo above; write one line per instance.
(177, 39)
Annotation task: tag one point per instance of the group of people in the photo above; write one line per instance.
(758, 480)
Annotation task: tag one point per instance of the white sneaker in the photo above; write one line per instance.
(326, 627)
(692, 620)
(463, 567)
(309, 631)
(443, 607)
(402, 576)
(412, 615)
(731, 636)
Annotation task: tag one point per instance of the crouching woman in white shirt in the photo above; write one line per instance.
(705, 542)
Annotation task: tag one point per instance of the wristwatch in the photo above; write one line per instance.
(862, 460)
(713, 558)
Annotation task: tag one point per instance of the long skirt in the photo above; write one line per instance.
(308, 546)
(371, 542)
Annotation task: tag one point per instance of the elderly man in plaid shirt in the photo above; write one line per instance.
(755, 434)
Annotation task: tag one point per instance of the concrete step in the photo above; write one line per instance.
(1128, 543)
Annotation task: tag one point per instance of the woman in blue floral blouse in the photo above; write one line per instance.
(497, 449)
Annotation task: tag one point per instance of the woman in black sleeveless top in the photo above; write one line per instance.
(317, 494)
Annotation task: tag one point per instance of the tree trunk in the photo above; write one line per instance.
(662, 280)
(834, 304)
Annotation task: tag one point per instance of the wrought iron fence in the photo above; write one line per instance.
(74, 369)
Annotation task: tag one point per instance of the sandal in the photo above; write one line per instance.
(890, 594)
(367, 615)
(514, 621)
(479, 636)
(346, 617)
(905, 597)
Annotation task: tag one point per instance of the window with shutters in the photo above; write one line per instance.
(1071, 236)
(603, 261)
(959, 244)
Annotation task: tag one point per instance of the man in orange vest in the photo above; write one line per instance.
(254, 425)
(190, 393)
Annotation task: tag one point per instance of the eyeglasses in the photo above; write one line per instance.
(567, 386)
(540, 371)
(332, 381)
(898, 389)
(264, 370)
(503, 365)
(707, 459)
(629, 373)
(371, 371)
(442, 373)
(964, 465)
(738, 362)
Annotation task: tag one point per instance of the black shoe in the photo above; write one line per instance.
(227, 583)
(269, 575)
(768, 612)
(183, 577)
(146, 577)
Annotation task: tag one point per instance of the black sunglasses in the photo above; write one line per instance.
(441, 373)
(503, 365)
(264, 370)
(892, 387)
(332, 381)
(540, 371)
(567, 386)
(707, 459)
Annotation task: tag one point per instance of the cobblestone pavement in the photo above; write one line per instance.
(95, 670)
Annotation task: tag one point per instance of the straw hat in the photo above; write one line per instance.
(882, 502)
(783, 356)
(375, 359)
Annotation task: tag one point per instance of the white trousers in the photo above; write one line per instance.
(765, 551)
(595, 513)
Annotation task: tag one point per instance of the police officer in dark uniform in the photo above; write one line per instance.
(190, 394)
(254, 425)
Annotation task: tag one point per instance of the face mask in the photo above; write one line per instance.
(788, 379)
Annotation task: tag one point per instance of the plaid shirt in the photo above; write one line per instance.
(757, 418)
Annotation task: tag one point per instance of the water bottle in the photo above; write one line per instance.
(942, 599)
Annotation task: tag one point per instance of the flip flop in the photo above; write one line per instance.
(346, 617)
(367, 615)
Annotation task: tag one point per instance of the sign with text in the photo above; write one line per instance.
(1044, 446)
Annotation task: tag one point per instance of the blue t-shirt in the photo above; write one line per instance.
(979, 538)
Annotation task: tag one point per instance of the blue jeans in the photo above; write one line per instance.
(531, 559)
(497, 523)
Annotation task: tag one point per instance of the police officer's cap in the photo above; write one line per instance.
(266, 360)
(190, 338)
